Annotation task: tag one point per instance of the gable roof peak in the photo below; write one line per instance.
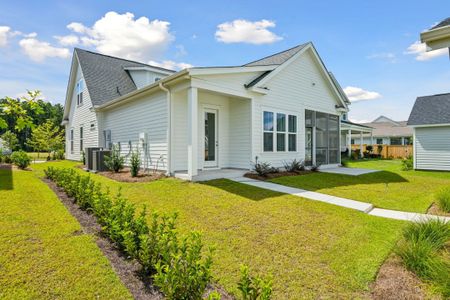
(279, 57)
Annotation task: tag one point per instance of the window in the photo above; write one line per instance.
(71, 140)
(396, 140)
(379, 141)
(292, 129)
(80, 87)
(352, 141)
(268, 131)
(281, 135)
(81, 139)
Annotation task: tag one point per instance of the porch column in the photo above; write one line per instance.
(361, 144)
(371, 138)
(349, 142)
(192, 131)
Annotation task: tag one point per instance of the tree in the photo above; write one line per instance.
(47, 137)
(10, 140)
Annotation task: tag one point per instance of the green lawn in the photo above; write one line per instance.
(41, 254)
(390, 188)
(313, 249)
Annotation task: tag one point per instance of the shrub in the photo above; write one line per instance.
(369, 148)
(379, 149)
(315, 168)
(187, 273)
(58, 154)
(436, 232)
(115, 161)
(443, 199)
(83, 157)
(407, 163)
(263, 168)
(294, 166)
(135, 163)
(254, 288)
(20, 159)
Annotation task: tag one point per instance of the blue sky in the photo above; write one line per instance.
(368, 45)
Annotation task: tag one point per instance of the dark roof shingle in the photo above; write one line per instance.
(277, 58)
(443, 23)
(105, 76)
(429, 110)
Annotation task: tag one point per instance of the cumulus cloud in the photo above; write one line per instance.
(124, 36)
(420, 51)
(171, 65)
(4, 34)
(38, 51)
(243, 31)
(358, 94)
(67, 40)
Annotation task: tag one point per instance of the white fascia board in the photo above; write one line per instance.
(150, 69)
(429, 125)
(229, 70)
(68, 102)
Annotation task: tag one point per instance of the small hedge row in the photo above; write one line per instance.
(179, 266)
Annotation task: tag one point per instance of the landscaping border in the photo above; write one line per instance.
(128, 271)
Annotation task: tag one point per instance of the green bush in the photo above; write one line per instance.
(407, 163)
(443, 199)
(422, 249)
(58, 155)
(263, 168)
(187, 272)
(294, 166)
(115, 161)
(254, 288)
(20, 159)
(135, 163)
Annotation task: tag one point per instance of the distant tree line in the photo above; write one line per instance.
(21, 118)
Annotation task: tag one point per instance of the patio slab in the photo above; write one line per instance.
(348, 171)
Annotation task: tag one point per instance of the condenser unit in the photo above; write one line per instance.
(88, 155)
(98, 163)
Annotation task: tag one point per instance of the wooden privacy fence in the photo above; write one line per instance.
(389, 151)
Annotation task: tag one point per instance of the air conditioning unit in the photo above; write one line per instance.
(88, 155)
(98, 164)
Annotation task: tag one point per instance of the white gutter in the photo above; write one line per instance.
(169, 127)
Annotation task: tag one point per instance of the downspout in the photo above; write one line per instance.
(169, 127)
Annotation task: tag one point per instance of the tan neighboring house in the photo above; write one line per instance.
(437, 37)
(386, 131)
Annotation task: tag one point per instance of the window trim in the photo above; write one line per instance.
(275, 131)
(71, 140)
(81, 137)
(80, 91)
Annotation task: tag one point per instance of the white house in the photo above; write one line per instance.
(430, 120)
(278, 108)
(386, 131)
(437, 37)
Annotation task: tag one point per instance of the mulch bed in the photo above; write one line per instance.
(394, 281)
(129, 271)
(275, 175)
(125, 175)
(435, 210)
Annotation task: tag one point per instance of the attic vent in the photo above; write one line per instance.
(118, 91)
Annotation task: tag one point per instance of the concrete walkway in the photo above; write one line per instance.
(364, 207)
(348, 171)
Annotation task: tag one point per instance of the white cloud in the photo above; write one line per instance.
(124, 36)
(4, 34)
(357, 94)
(67, 40)
(388, 56)
(243, 31)
(38, 51)
(419, 50)
(171, 65)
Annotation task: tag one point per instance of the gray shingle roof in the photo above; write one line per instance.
(443, 23)
(105, 76)
(429, 110)
(390, 129)
(277, 58)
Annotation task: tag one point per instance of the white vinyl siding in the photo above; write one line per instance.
(126, 122)
(79, 115)
(432, 148)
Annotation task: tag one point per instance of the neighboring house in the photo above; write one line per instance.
(387, 132)
(278, 108)
(437, 37)
(430, 120)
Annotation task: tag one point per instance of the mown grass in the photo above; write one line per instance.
(390, 188)
(312, 249)
(43, 255)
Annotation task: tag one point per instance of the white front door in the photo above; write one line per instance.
(211, 143)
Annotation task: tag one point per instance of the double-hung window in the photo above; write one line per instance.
(80, 87)
(279, 132)
(71, 140)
